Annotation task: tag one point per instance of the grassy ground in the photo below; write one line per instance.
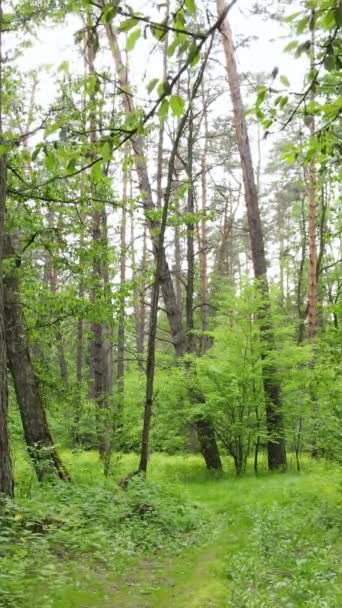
(265, 542)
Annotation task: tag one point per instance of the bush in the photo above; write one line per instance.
(41, 536)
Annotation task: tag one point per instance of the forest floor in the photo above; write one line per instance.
(265, 542)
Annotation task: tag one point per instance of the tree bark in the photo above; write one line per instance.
(121, 328)
(40, 444)
(162, 120)
(166, 284)
(190, 254)
(6, 477)
(53, 284)
(203, 240)
(99, 359)
(274, 417)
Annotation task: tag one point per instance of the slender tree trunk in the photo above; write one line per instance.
(299, 291)
(312, 291)
(53, 284)
(204, 428)
(203, 241)
(162, 120)
(99, 346)
(6, 477)
(276, 443)
(121, 328)
(138, 301)
(312, 196)
(166, 285)
(190, 254)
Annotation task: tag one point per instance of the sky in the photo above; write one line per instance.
(55, 44)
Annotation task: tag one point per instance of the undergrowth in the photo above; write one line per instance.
(42, 535)
(292, 557)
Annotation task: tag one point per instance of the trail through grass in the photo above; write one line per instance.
(271, 541)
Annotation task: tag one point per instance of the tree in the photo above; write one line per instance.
(6, 478)
(276, 442)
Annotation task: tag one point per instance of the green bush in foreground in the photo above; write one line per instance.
(292, 557)
(42, 536)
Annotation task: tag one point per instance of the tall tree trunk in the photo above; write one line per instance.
(166, 285)
(99, 344)
(203, 240)
(312, 196)
(138, 301)
(162, 120)
(274, 417)
(40, 444)
(174, 313)
(121, 328)
(53, 284)
(204, 427)
(6, 477)
(190, 254)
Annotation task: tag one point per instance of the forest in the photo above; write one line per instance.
(170, 304)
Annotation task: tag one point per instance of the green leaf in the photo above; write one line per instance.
(158, 32)
(36, 151)
(127, 24)
(151, 85)
(283, 102)
(96, 173)
(338, 15)
(262, 92)
(177, 105)
(106, 151)
(132, 39)
(291, 45)
(172, 48)
(164, 109)
(163, 88)
(330, 63)
(193, 56)
(301, 25)
(50, 162)
(109, 12)
(284, 80)
(71, 165)
(191, 6)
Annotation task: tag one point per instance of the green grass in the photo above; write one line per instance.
(198, 542)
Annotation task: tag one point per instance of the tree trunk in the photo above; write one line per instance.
(274, 418)
(203, 242)
(162, 120)
(121, 328)
(99, 347)
(40, 444)
(174, 313)
(138, 296)
(190, 255)
(312, 299)
(166, 284)
(53, 284)
(6, 477)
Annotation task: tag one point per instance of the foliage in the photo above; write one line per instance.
(50, 529)
(292, 556)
